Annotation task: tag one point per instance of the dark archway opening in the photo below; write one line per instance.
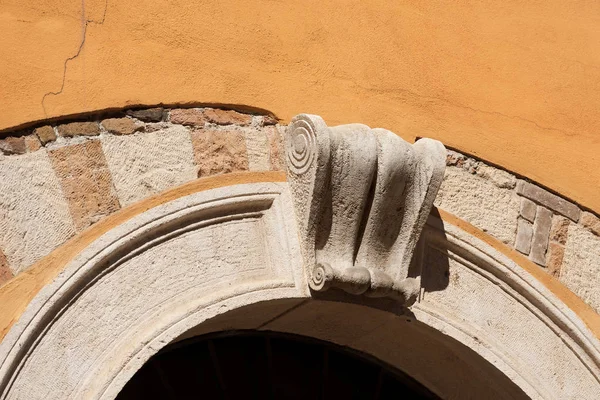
(267, 365)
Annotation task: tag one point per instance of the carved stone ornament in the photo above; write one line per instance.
(361, 198)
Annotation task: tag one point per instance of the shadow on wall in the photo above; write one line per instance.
(429, 262)
(435, 268)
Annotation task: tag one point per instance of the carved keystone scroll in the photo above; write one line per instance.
(361, 197)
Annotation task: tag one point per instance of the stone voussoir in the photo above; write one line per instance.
(549, 200)
(32, 143)
(227, 117)
(524, 235)
(45, 133)
(121, 126)
(155, 114)
(13, 145)
(188, 116)
(541, 234)
(74, 129)
(527, 209)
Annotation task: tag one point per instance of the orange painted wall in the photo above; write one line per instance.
(515, 83)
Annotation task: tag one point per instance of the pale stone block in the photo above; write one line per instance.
(524, 234)
(34, 214)
(148, 163)
(541, 233)
(481, 202)
(257, 147)
(581, 265)
(528, 209)
(549, 200)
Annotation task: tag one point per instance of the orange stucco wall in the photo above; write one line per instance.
(515, 83)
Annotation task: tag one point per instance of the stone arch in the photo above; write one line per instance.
(194, 260)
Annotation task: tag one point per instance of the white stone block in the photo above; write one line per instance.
(148, 163)
(34, 214)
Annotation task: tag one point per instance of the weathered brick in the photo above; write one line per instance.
(549, 200)
(46, 134)
(13, 145)
(121, 126)
(155, 114)
(79, 129)
(188, 116)
(591, 222)
(556, 253)
(217, 152)
(32, 143)
(5, 272)
(276, 148)
(86, 182)
(541, 233)
(227, 117)
(559, 229)
(527, 209)
(524, 234)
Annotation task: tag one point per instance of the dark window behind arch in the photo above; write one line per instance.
(267, 365)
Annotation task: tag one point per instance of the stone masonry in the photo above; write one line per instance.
(531, 219)
(72, 173)
(59, 179)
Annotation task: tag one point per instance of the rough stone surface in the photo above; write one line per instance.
(481, 202)
(541, 233)
(32, 143)
(79, 129)
(219, 152)
(148, 115)
(86, 182)
(591, 222)
(528, 209)
(257, 146)
(559, 229)
(121, 126)
(524, 235)
(5, 272)
(188, 116)
(227, 117)
(581, 265)
(34, 215)
(548, 200)
(13, 145)
(46, 134)
(276, 153)
(269, 120)
(145, 164)
(554, 259)
(501, 178)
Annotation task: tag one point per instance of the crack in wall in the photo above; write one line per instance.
(84, 25)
